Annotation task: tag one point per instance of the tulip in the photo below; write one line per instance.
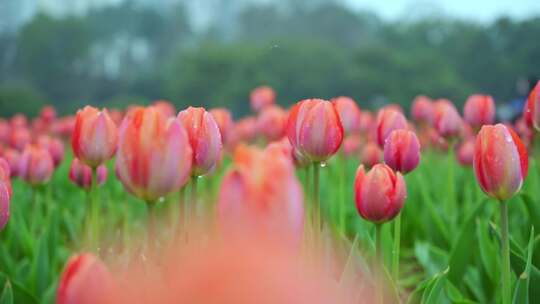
(19, 138)
(262, 97)
(380, 193)
(165, 107)
(154, 156)
(85, 280)
(500, 161)
(35, 165)
(5, 197)
(532, 109)
(387, 121)
(402, 151)
(224, 121)
(5, 132)
(422, 110)
(349, 113)
(465, 153)
(81, 174)
(204, 138)
(314, 129)
(48, 114)
(95, 136)
(271, 122)
(500, 164)
(262, 192)
(18, 121)
(371, 155)
(447, 121)
(13, 157)
(54, 146)
(244, 130)
(5, 175)
(479, 110)
(351, 145)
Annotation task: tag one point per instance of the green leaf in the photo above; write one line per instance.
(432, 258)
(434, 291)
(521, 293)
(488, 252)
(7, 294)
(533, 209)
(41, 266)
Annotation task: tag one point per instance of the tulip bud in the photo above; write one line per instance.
(224, 121)
(314, 129)
(532, 108)
(204, 138)
(154, 156)
(95, 136)
(465, 153)
(36, 165)
(402, 151)
(85, 280)
(380, 193)
(349, 113)
(243, 131)
(351, 145)
(387, 121)
(422, 110)
(447, 121)
(5, 197)
(48, 114)
(19, 138)
(500, 161)
(479, 110)
(371, 155)
(5, 175)
(54, 146)
(271, 122)
(262, 97)
(366, 122)
(165, 107)
(13, 157)
(81, 174)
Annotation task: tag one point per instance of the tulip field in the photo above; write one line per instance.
(321, 202)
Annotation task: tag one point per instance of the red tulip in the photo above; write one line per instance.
(402, 151)
(387, 121)
(165, 107)
(532, 108)
(447, 121)
(479, 110)
(5, 197)
(224, 121)
(154, 156)
(262, 97)
(371, 155)
(380, 193)
(85, 280)
(422, 110)
(48, 114)
(204, 138)
(465, 152)
(314, 129)
(262, 192)
(35, 165)
(500, 161)
(81, 174)
(95, 136)
(19, 138)
(13, 157)
(349, 113)
(271, 122)
(54, 146)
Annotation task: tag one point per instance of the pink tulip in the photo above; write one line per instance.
(422, 110)
(165, 107)
(532, 108)
(380, 193)
(35, 165)
(224, 121)
(19, 138)
(387, 121)
(48, 114)
(95, 136)
(5, 198)
(271, 122)
(54, 146)
(85, 280)
(352, 145)
(371, 155)
(204, 138)
(5, 175)
(314, 129)
(13, 157)
(349, 113)
(402, 151)
(500, 161)
(19, 121)
(366, 122)
(262, 97)
(479, 110)
(5, 132)
(154, 156)
(465, 152)
(81, 174)
(447, 121)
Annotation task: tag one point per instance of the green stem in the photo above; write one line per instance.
(450, 204)
(395, 251)
(342, 191)
(94, 212)
(379, 257)
(506, 296)
(194, 196)
(316, 199)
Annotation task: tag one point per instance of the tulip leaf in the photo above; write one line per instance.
(20, 294)
(521, 293)
(7, 294)
(488, 252)
(533, 209)
(41, 266)
(434, 291)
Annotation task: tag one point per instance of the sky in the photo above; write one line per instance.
(479, 10)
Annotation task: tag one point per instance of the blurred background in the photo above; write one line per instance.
(213, 52)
